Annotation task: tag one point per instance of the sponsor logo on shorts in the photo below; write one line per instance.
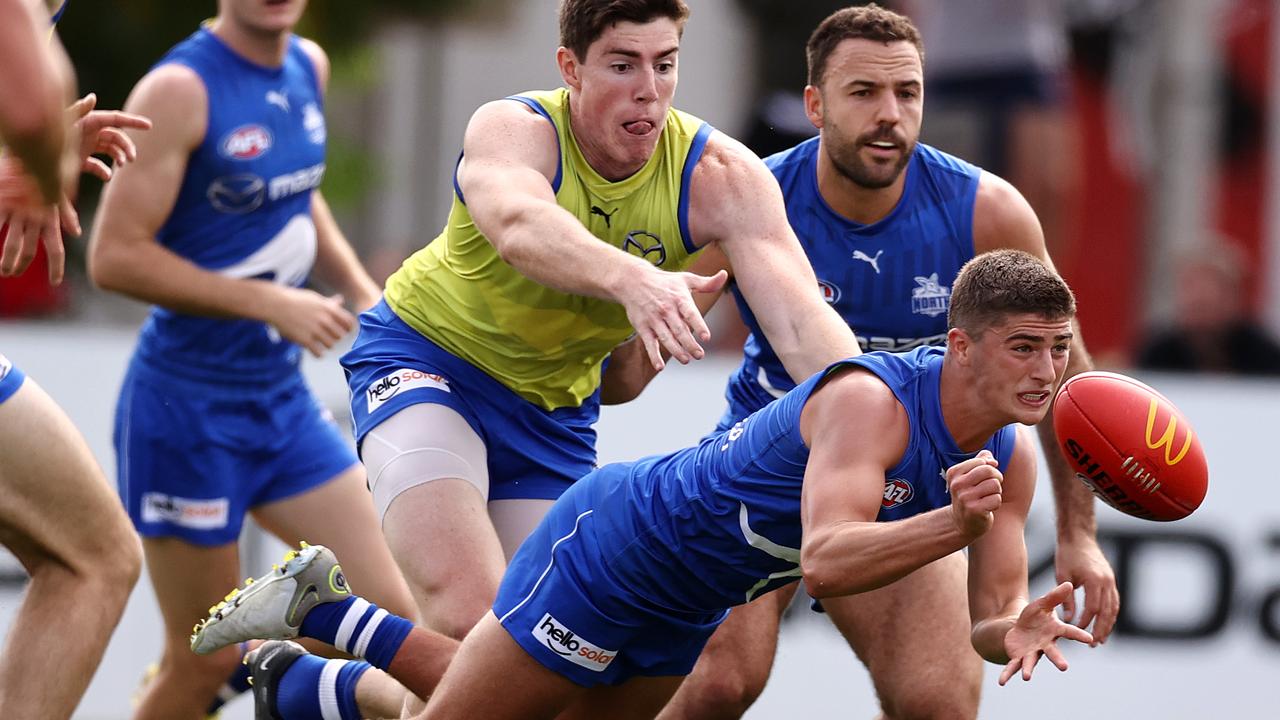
(245, 143)
(896, 492)
(197, 514)
(400, 381)
(570, 646)
(5, 366)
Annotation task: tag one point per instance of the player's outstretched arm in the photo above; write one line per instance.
(1004, 219)
(510, 156)
(125, 257)
(735, 201)
(856, 431)
(1007, 629)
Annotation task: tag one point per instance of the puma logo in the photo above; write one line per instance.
(872, 261)
(278, 98)
(608, 216)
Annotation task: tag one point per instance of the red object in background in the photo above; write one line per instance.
(30, 293)
(1242, 188)
(1131, 446)
(1104, 231)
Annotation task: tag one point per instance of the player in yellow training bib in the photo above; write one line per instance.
(476, 383)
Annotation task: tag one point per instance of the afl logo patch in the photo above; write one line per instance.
(830, 292)
(245, 143)
(896, 492)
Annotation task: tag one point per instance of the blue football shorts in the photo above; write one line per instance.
(561, 599)
(532, 453)
(193, 457)
(10, 378)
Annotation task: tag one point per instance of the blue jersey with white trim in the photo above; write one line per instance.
(244, 207)
(890, 280)
(716, 525)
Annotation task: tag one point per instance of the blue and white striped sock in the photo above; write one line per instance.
(358, 627)
(314, 688)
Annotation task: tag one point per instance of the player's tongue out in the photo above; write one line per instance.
(638, 127)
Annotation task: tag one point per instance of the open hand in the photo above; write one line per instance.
(660, 307)
(1035, 633)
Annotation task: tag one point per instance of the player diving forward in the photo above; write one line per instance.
(609, 603)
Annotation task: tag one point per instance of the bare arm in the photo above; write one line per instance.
(336, 262)
(1007, 629)
(1004, 219)
(125, 257)
(337, 265)
(998, 560)
(736, 201)
(34, 88)
(510, 156)
(856, 431)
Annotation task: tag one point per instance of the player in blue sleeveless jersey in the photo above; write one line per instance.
(608, 603)
(219, 226)
(58, 517)
(887, 222)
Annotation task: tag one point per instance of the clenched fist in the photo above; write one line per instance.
(975, 487)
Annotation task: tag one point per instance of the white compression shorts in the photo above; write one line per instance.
(426, 442)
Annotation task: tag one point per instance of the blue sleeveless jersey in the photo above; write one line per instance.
(244, 208)
(713, 526)
(890, 280)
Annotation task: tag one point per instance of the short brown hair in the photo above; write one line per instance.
(582, 22)
(1000, 283)
(867, 22)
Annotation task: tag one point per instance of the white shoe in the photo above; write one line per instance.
(273, 606)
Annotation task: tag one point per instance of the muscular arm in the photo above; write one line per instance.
(857, 430)
(34, 88)
(336, 262)
(1004, 219)
(735, 201)
(125, 257)
(510, 157)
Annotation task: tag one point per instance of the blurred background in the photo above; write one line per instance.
(1141, 131)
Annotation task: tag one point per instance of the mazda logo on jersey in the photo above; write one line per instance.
(237, 194)
(644, 244)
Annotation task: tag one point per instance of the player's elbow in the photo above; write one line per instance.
(107, 266)
(820, 574)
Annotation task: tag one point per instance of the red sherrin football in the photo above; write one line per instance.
(1131, 446)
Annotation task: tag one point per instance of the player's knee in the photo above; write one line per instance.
(455, 621)
(958, 701)
(453, 609)
(724, 692)
(114, 571)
